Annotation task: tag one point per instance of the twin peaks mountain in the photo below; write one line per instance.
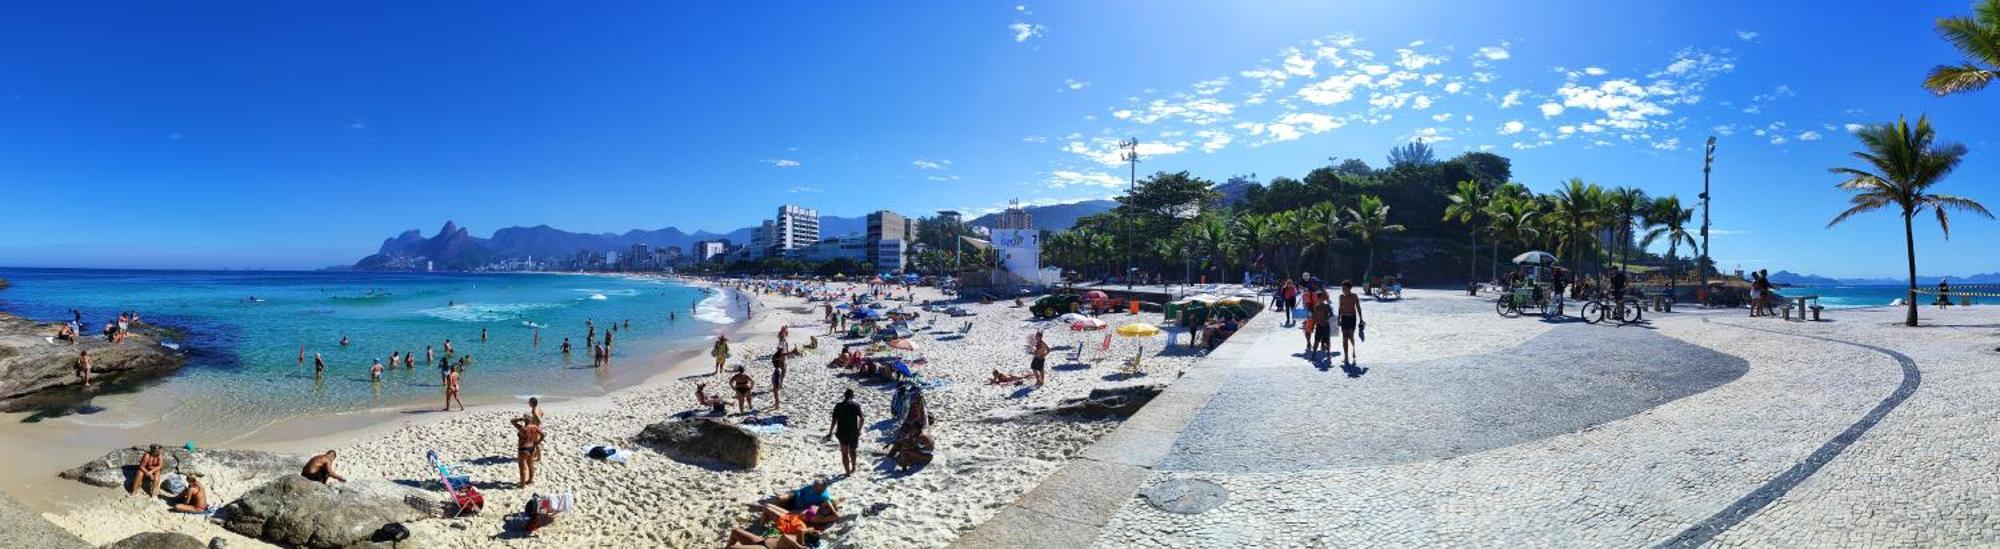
(454, 248)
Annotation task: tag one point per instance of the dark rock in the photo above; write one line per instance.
(216, 467)
(298, 512)
(20, 527)
(30, 364)
(158, 540)
(218, 543)
(704, 440)
(1118, 401)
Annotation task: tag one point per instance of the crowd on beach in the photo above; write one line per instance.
(114, 331)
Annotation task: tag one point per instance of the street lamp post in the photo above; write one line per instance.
(1130, 156)
(1707, 161)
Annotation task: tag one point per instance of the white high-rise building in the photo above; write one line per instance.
(794, 229)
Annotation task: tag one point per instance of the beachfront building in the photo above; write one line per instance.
(889, 235)
(795, 229)
(1016, 217)
(706, 250)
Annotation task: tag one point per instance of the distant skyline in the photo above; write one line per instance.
(282, 135)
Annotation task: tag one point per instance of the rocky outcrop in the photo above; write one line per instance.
(704, 441)
(158, 540)
(213, 466)
(453, 249)
(31, 364)
(20, 527)
(297, 512)
(1116, 401)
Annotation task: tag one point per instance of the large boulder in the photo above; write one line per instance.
(704, 441)
(214, 466)
(20, 527)
(35, 372)
(297, 512)
(158, 540)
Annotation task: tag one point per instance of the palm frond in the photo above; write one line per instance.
(1947, 79)
(1851, 212)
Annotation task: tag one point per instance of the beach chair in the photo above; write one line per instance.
(464, 498)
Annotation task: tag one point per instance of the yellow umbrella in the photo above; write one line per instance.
(1138, 329)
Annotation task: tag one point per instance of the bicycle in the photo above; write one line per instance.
(1625, 311)
(1513, 303)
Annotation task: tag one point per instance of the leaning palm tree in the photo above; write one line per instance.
(1669, 221)
(1978, 37)
(1370, 219)
(1468, 202)
(1906, 161)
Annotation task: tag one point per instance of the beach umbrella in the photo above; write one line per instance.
(1536, 257)
(1138, 329)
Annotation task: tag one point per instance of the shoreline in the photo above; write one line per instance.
(31, 480)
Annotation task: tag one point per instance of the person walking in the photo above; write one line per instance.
(846, 425)
(1351, 321)
(720, 352)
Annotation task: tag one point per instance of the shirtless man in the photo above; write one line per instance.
(1350, 320)
(528, 431)
(743, 385)
(194, 499)
(320, 469)
(148, 474)
(451, 390)
(83, 366)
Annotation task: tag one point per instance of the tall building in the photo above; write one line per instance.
(1016, 217)
(706, 250)
(889, 238)
(794, 229)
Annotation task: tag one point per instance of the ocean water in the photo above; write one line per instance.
(245, 331)
(1847, 297)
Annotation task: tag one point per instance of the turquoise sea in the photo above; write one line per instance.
(1847, 297)
(245, 331)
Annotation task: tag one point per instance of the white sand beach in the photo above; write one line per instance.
(991, 448)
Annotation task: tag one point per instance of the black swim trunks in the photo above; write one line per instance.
(1347, 323)
(1039, 363)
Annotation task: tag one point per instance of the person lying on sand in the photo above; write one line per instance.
(743, 539)
(1002, 378)
(320, 469)
(194, 499)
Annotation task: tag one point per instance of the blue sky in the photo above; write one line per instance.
(294, 135)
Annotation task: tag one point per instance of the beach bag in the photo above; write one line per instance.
(391, 533)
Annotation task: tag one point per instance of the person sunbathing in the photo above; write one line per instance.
(810, 502)
(194, 499)
(705, 400)
(1002, 378)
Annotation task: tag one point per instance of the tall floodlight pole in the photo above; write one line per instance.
(1130, 156)
(1707, 161)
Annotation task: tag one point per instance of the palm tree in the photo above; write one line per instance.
(1370, 218)
(1210, 235)
(1626, 203)
(1511, 219)
(1978, 37)
(1323, 225)
(1468, 202)
(1906, 161)
(1669, 221)
(1575, 206)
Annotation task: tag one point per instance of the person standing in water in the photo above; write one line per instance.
(375, 371)
(409, 360)
(565, 346)
(428, 355)
(482, 335)
(319, 365)
(447, 348)
(343, 341)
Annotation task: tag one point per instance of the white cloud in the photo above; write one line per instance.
(1409, 59)
(1433, 135)
(357, 125)
(931, 164)
(1852, 127)
(1746, 36)
(1073, 84)
(942, 177)
(1595, 71)
(1337, 89)
(1512, 127)
(1550, 110)
(1779, 140)
(803, 190)
(1809, 135)
(1671, 144)
(1297, 64)
(1034, 139)
(1213, 140)
(1453, 87)
(1753, 109)
(1494, 53)
(1421, 102)
(1440, 117)
(1512, 98)
(781, 162)
(1311, 122)
(1024, 31)
(1066, 178)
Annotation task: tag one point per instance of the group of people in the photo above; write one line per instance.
(1324, 312)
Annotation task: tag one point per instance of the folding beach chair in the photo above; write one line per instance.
(464, 498)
